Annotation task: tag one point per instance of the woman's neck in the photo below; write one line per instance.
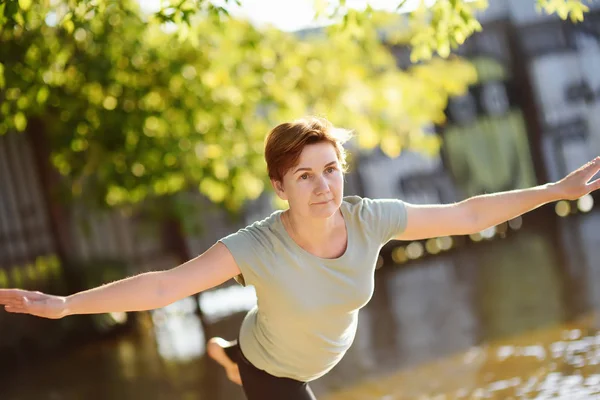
(313, 232)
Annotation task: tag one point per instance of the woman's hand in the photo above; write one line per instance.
(34, 303)
(577, 183)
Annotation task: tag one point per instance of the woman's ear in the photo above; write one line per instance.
(279, 189)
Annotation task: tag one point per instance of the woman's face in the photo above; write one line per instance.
(314, 187)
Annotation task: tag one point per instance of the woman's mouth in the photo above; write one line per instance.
(321, 203)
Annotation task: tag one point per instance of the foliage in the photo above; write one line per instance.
(443, 25)
(133, 111)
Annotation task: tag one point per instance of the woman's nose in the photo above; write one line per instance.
(321, 185)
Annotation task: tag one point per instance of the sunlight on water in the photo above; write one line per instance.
(221, 303)
(179, 334)
(556, 363)
(178, 330)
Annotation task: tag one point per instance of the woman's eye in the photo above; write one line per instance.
(330, 170)
(304, 176)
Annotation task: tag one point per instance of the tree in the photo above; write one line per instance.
(134, 112)
(444, 25)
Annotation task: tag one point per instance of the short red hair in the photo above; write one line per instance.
(285, 143)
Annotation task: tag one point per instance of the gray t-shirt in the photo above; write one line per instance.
(307, 310)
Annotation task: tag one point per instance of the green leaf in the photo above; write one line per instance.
(25, 4)
(69, 26)
(444, 49)
(3, 18)
(20, 121)
(577, 15)
(19, 19)
(563, 11)
(391, 145)
(42, 95)
(215, 190)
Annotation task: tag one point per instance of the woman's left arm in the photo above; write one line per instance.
(480, 212)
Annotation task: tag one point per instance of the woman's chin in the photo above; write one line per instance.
(324, 210)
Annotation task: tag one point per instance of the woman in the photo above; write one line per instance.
(312, 265)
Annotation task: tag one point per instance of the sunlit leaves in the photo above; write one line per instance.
(215, 190)
(442, 27)
(434, 27)
(25, 4)
(574, 9)
(133, 112)
(20, 121)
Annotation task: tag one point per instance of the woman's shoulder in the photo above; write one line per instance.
(259, 232)
(356, 207)
(356, 203)
(266, 223)
(359, 201)
(366, 208)
(352, 200)
(382, 218)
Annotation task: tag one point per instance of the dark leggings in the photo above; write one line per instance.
(260, 385)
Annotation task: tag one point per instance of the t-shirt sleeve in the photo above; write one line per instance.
(388, 217)
(245, 246)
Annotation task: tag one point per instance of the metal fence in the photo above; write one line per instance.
(27, 250)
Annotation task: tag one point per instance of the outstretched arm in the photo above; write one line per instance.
(145, 291)
(480, 212)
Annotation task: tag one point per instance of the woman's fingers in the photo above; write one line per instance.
(35, 303)
(592, 168)
(9, 293)
(11, 298)
(14, 309)
(21, 301)
(27, 306)
(8, 296)
(14, 304)
(21, 307)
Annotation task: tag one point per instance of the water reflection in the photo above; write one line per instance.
(178, 331)
(222, 302)
(559, 363)
(179, 334)
(483, 320)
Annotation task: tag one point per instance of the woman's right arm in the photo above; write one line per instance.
(145, 291)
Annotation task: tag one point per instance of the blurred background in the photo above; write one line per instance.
(131, 139)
